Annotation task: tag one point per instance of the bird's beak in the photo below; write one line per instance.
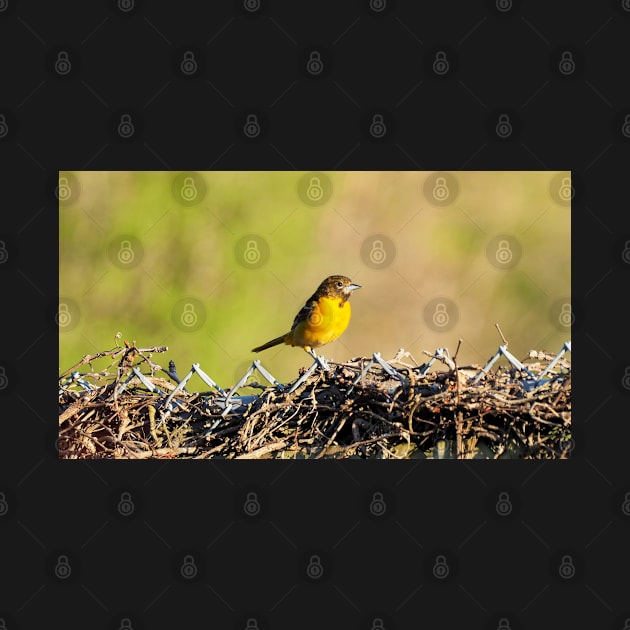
(352, 287)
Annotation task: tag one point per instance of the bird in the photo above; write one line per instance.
(322, 319)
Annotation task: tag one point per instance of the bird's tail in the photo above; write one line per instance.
(270, 344)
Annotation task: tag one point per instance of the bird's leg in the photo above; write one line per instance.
(320, 360)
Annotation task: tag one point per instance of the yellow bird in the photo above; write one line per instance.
(322, 319)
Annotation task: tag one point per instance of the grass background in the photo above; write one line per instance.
(192, 252)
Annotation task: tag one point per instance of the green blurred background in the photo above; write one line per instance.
(212, 264)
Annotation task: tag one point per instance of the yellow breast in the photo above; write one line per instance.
(328, 319)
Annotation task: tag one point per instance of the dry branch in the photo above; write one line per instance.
(344, 412)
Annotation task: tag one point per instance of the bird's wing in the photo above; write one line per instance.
(304, 313)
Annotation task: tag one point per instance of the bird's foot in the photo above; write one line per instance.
(319, 360)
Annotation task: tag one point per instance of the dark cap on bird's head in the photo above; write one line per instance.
(340, 286)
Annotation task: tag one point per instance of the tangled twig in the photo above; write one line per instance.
(347, 411)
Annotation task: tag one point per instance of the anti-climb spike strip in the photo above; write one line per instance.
(270, 378)
(303, 378)
(392, 371)
(229, 401)
(204, 377)
(565, 348)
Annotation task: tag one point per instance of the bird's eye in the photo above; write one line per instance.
(339, 284)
